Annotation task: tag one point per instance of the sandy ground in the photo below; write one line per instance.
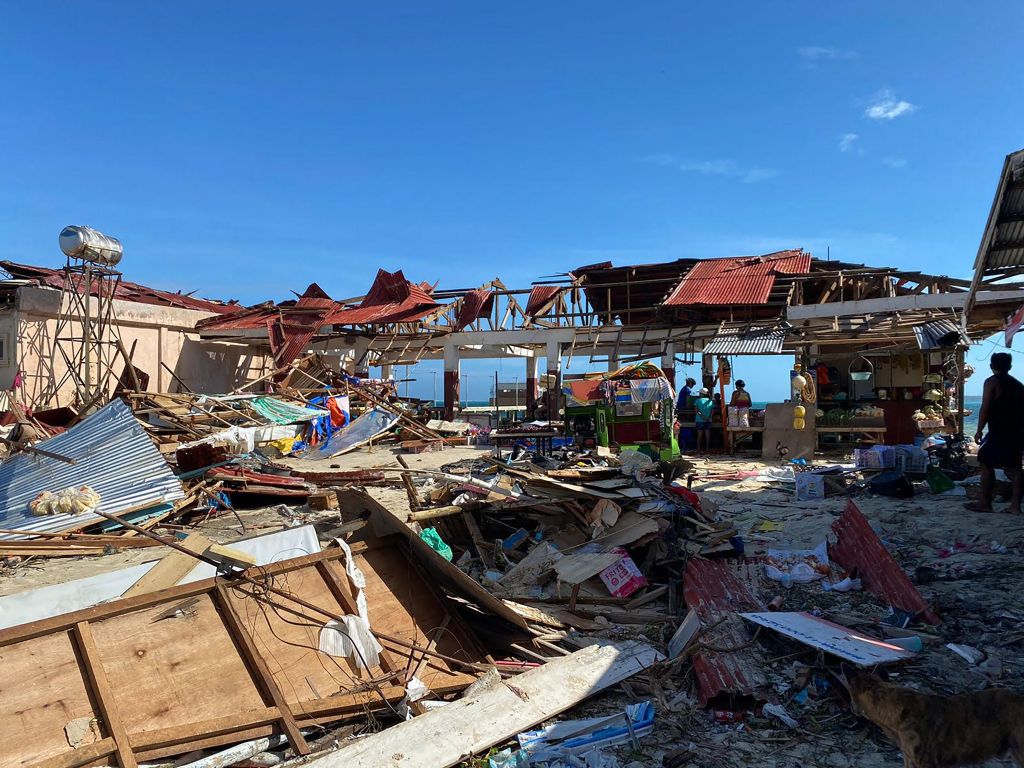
(969, 565)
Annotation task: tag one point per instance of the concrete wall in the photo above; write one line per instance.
(157, 335)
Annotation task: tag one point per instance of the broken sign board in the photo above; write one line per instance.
(831, 638)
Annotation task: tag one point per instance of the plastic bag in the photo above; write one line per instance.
(937, 480)
(436, 543)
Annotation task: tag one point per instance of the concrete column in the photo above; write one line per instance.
(554, 396)
(360, 359)
(668, 363)
(532, 390)
(451, 381)
(386, 372)
(613, 363)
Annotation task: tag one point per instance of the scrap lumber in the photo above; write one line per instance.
(445, 737)
(445, 574)
(171, 569)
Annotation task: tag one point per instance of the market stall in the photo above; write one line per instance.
(628, 408)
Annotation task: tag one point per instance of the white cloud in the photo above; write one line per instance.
(894, 162)
(812, 54)
(755, 175)
(885, 106)
(847, 142)
(724, 168)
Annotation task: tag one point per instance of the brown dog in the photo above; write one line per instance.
(942, 731)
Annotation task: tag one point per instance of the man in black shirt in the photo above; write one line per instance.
(1002, 411)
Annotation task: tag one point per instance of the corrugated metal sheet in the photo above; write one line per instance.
(940, 334)
(540, 299)
(290, 333)
(630, 293)
(756, 341)
(112, 453)
(736, 280)
(391, 299)
(858, 548)
(54, 278)
(1006, 219)
(712, 590)
(475, 304)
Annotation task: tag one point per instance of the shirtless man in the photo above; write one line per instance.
(1002, 411)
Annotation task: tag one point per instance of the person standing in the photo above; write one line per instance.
(705, 408)
(683, 401)
(1002, 411)
(740, 396)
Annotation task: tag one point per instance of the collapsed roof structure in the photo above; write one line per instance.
(783, 302)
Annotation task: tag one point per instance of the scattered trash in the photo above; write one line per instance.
(968, 653)
(436, 543)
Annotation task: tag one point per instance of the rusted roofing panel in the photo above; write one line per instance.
(540, 299)
(245, 319)
(630, 293)
(391, 299)
(475, 304)
(712, 590)
(717, 282)
(859, 548)
(290, 333)
(54, 278)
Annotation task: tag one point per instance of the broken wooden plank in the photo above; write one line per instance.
(444, 737)
(102, 692)
(171, 569)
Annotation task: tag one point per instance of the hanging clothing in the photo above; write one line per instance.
(650, 390)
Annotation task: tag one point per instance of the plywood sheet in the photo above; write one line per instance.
(177, 676)
(174, 671)
(41, 690)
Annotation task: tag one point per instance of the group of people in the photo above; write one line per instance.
(704, 406)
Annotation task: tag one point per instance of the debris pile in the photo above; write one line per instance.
(384, 591)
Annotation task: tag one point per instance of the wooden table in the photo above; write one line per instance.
(871, 435)
(737, 434)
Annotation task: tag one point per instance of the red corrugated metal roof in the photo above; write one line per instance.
(540, 299)
(54, 278)
(475, 304)
(859, 548)
(736, 280)
(290, 333)
(712, 589)
(244, 319)
(391, 299)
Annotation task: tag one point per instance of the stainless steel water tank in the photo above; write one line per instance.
(87, 244)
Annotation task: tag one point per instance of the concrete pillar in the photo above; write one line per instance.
(532, 390)
(554, 396)
(668, 363)
(613, 363)
(451, 381)
(386, 372)
(360, 359)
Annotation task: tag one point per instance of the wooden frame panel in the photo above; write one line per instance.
(232, 663)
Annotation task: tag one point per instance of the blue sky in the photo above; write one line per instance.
(245, 149)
